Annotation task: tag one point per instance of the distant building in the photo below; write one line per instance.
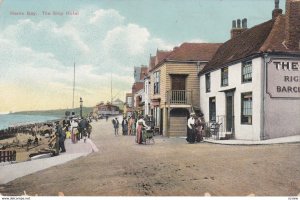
(128, 106)
(251, 85)
(139, 73)
(118, 103)
(107, 109)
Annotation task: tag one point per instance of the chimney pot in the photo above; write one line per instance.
(238, 23)
(244, 23)
(233, 24)
(276, 4)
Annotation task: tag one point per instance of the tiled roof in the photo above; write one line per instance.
(161, 55)
(266, 37)
(137, 86)
(194, 52)
(152, 62)
(187, 52)
(144, 71)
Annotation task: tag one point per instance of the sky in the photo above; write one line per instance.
(40, 42)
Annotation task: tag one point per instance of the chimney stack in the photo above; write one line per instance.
(292, 24)
(277, 11)
(237, 29)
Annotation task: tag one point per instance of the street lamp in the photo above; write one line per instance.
(81, 107)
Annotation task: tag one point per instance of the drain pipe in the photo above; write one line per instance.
(262, 105)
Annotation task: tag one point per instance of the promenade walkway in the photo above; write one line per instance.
(10, 172)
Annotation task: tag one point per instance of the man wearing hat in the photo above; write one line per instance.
(191, 129)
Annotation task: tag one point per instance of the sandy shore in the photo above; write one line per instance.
(169, 167)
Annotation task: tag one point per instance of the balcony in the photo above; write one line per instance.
(179, 97)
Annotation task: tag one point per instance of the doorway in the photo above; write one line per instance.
(229, 111)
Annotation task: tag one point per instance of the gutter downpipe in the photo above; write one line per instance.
(262, 105)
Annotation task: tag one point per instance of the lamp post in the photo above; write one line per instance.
(81, 107)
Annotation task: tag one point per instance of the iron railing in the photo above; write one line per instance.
(217, 128)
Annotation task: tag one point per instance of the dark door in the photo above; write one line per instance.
(178, 82)
(178, 89)
(161, 121)
(229, 112)
(212, 109)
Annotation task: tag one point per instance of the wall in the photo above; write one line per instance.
(192, 81)
(282, 115)
(242, 131)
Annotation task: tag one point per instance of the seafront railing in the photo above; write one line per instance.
(7, 156)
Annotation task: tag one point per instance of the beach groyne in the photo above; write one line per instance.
(39, 128)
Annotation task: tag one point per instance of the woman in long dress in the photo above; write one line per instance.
(191, 129)
(74, 126)
(139, 126)
(199, 128)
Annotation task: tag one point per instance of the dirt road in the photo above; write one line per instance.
(169, 167)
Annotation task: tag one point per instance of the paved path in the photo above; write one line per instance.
(12, 171)
(283, 140)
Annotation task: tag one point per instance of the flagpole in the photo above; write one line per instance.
(111, 88)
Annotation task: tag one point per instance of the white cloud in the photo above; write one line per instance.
(40, 54)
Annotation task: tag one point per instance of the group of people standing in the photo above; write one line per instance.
(131, 126)
(78, 128)
(128, 126)
(195, 128)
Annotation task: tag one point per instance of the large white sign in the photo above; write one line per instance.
(283, 78)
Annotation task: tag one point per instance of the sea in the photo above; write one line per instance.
(7, 120)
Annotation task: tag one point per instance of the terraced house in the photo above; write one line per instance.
(174, 85)
(251, 85)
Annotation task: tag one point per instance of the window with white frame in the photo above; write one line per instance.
(156, 82)
(247, 72)
(246, 105)
(207, 82)
(224, 76)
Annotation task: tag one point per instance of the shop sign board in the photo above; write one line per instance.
(283, 78)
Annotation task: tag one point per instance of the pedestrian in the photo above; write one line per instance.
(140, 124)
(61, 138)
(125, 126)
(106, 117)
(82, 127)
(199, 128)
(74, 130)
(191, 129)
(116, 126)
(130, 121)
(133, 130)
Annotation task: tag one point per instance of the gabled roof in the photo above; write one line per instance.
(187, 52)
(161, 55)
(144, 72)
(152, 62)
(194, 52)
(266, 37)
